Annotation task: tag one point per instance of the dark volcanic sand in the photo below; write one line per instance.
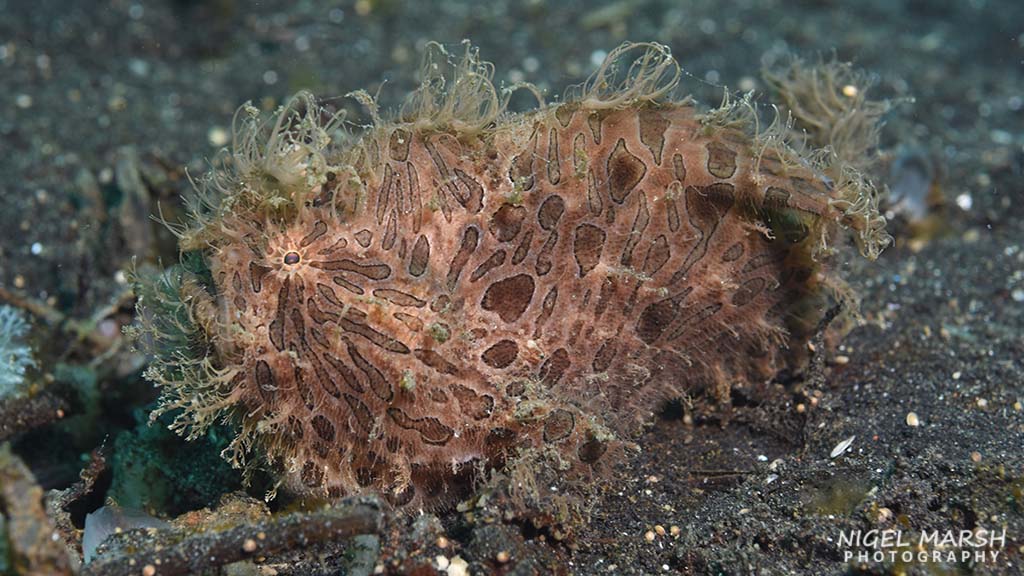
(943, 323)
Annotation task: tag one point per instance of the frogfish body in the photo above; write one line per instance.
(460, 286)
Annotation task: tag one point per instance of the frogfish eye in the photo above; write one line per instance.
(291, 258)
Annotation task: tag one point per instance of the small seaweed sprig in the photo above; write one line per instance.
(15, 355)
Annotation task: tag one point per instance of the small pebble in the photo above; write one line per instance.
(217, 136)
(884, 514)
(249, 545)
(976, 457)
(149, 570)
(442, 542)
(912, 420)
(458, 567)
(502, 557)
(649, 536)
(674, 530)
(982, 403)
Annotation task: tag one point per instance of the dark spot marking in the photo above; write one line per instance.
(625, 171)
(346, 374)
(236, 281)
(521, 170)
(322, 449)
(675, 190)
(470, 194)
(604, 356)
(523, 249)
(387, 242)
(733, 253)
(376, 337)
(510, 297)
(305, 390)
(256, 274)
(435, 361)
(319, 229)
(420, 256)
(338, 245)
(295, 428)
(657, 255)
(679, 167)
(763, 259)
(721, 160)
(399, 298)
(312, 474)
(695, 318)
(515, 388)
(559, 424)
(431, 430)
(384, 194)
(546, 308)
(477, 406)
(378, 383)
(594, 121)
(657, 316)
(320, 316)
(554, 169)
(371, 271)
(554, 367)
(643, 218)
(588, 244)
(550, 211)
(705, 208)
(492, 262)
(415, 200)
(470, 238)
(501, 354)
(591, 450)
(398, 144)
(323, 427)
(411, 322)
(653, 125)
(328, 293)
(609, 288)
(364, 238)
(506, 222)
(748, 291)
(564, 112)
(499, 439)
(351, 287)
(277, 326)
(775, 199)
(594, 200)
(362, 414)
(265, 381)
(441, 304)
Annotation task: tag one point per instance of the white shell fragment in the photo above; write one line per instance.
(842, 447)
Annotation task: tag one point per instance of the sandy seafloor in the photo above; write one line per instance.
(96, 95)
